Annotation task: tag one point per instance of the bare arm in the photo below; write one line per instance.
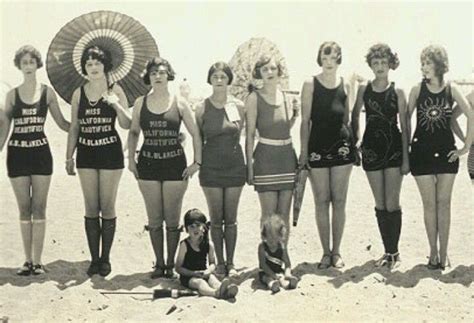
(250, 129)
(466, 109)
(356, 114)
(198, 113)
(73, 133)
(211, 255)
(263, 265)
(134, 135)
(306, 104)
(120, 106)
(286, 260)
(56, 111)
(414, 93)
(192, 128)
(6, 118)
(455, 124)
(402, 111)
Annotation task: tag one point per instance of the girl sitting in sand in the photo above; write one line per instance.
(193, 254)
(274, 262)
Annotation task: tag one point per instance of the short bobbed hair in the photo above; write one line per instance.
(96, 52)
(262, 61)
(27, 49)
(156, 62)
(220, 66)
(438, 55)
(381, 51)
(275, 226)
(327, 48)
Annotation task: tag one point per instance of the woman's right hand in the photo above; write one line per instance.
(303, 160)
(70, 167)
(132, 166)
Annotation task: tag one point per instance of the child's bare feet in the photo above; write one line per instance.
(274, 286)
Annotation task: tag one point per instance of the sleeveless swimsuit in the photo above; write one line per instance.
(161, 156)
(274, 260)
(330, 141)
(98, 145)
(433, 138)
(382, 141)
(222, 156)
(193, 260)
(28, 150)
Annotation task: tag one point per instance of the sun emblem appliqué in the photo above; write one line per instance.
(434, 114)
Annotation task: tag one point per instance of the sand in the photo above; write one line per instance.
(358, 292)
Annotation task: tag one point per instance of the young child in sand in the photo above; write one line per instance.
(193, 254)
(274, 262)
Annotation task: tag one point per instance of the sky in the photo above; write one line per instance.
(194, 35)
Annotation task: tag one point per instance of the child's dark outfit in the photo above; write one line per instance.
(194, 260)
(274, 260)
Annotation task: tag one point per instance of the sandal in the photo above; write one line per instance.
(37, 269)
(169, 272)
(25, 270)
(447, 264)
(325, 262)
(157, 272)
(220, 270)
(394, 260)
(231, 271)
(433, 266)
(382, 261)
(336, 261)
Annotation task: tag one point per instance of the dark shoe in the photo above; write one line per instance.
(93, 232)
(336, 261)
(447, 264)
(169, 272)
(104, 268)
(25, 270)
(231, 291)
(433, 265)
(94, 268)
(37, 269)
(274, 286)
(222, 292)
(325, 262)
(158, 272)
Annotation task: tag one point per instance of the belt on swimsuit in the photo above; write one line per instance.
(274, 142)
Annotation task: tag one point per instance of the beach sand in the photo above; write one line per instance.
(358, 292)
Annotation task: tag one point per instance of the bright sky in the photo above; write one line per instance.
(193, 35)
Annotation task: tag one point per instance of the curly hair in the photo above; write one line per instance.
(27, 49)
(382, 51)
(156, 62)
(274, 226)
(95, 52)
(262, 61)
(220, 66)
(327, 48)
(438, 55)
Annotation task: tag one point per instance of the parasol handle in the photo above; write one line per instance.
(125, 293)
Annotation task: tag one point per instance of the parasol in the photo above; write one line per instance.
(128, 42)
(243, 62)
(298, 192)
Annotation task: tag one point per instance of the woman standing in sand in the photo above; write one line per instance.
(161, 168)
(327, 146)
(384, 147)
(94, 108)
(434, 159)
(271, 167)
(222, 174)
(29, 160)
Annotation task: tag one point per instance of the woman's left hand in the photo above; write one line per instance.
(455, 154)
(111, 98)
(190, 171)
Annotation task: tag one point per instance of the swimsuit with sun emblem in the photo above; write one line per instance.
(382, 142)
(330, 140)
(433, 138)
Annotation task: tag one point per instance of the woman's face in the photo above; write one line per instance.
(269, 72)
(428, 68)
(28, 64)
(219, 80)
(159, 75)
(380, 67)
(94, 68)
(329, 61)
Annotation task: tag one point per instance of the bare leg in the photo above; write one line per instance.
(39, 190)
(268, 204)
(377, 185)
(202, 287)
(21, 187)
(427, 187)
(320, 179)
(444, 190)
(284, 206)
(215, 202)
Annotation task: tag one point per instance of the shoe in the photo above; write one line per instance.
(25, 270)
(382, 261)
(325, 262)
(336, 261)
(231, 291)
(169, 272)
(274, 286)
(221, 270)
(222, 292)
(447, 264)
(94, 268)
(433, 265)
(158, 272)
(293, 282)
(104, 268)
(231, 271)
(394, 260)
(37, 269)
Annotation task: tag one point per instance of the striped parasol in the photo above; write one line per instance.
(128, 42)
